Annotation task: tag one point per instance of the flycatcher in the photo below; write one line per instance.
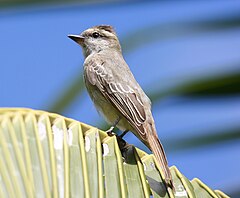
(115, 92)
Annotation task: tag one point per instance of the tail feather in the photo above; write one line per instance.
(158, 151)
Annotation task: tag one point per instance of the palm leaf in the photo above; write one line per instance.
(162, 32)
(203, 140)
(48, 155)
(227, 84)
(9, 3)
(74, 89)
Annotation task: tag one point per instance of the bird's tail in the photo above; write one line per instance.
(158, 151)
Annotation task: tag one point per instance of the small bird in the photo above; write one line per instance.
(115, 92)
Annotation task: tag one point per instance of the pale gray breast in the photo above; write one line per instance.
(109, 74)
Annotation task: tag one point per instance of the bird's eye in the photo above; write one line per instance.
(95, 35)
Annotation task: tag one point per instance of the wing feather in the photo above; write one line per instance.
(122, 96)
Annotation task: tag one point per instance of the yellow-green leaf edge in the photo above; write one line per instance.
(48, 155)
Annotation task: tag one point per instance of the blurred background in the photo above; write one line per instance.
(185, 54)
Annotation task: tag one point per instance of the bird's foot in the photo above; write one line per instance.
(110, 131)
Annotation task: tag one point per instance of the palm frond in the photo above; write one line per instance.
(227, 84)
(162, 32)
(203, 140)
(48, 155)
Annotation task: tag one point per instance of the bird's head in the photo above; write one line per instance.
(96, 39)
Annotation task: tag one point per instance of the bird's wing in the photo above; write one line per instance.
(125, 98)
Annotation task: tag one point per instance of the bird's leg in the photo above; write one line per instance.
(110, 130)
(123, 133)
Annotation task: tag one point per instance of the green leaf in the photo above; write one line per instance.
(62, 164)
(227, 84)
(74, 89)
(9, 3)
(203, 140)
(162, 32)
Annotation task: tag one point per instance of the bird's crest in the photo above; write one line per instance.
(107, 28)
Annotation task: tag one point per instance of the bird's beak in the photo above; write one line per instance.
(77, 38)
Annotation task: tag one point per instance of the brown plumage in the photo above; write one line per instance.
(115, 92)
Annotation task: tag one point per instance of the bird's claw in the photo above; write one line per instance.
(110, 131)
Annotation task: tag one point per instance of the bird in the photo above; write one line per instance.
(115, 92)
